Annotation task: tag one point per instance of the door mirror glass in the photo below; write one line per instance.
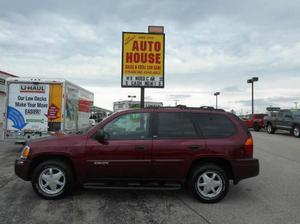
(100, 136)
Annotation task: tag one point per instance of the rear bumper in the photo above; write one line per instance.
(22, 168)
(244, 168)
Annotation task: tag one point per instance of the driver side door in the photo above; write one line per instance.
(126, 150)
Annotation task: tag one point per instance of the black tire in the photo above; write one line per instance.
(296, 131)
(270, 128)
(256, 127)
(196, 178)
(56, 167)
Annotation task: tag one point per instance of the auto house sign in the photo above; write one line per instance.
(143, 60)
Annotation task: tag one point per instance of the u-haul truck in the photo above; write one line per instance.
(41, 107)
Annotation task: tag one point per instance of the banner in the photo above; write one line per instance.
(28, 107)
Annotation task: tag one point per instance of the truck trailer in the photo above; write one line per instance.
(42, 107)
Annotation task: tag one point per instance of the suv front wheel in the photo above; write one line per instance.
(52, 179)
(209, 183)
(296, 131)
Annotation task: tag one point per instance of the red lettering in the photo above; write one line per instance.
(157, 46)
(136, 57)
(143, 46)
(150, 45)
(143, 57)
(129, 57)
(135, 46)
(157, 58)
(151, 58)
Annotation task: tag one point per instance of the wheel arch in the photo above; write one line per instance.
(42, 158)
(219, 161)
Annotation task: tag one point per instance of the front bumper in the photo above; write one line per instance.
(22, 168)
(244, 168)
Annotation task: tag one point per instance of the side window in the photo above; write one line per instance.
(128, 127)
(215, 125)
(175, 125)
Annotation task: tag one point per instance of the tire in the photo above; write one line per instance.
(212, 175)
(270, 128)
(256, 127)
(52, 179)
(296, 131)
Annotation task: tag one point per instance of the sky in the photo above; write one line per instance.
(211, 46)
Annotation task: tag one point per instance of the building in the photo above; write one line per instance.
(3, 77)
(130, 104)
(98, 113)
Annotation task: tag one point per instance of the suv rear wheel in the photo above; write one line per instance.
(52, 179)
(209, 183)
(296, 131)
(256, 127)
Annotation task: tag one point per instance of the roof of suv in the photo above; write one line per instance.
(178, 108)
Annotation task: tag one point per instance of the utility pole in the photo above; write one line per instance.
(217, 94)
(252, 80)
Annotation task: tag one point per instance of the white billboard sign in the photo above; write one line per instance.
(28, 107)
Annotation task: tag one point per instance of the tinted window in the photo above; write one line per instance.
(296, 113)
(128, 126)
(175, 125)
(214, 125)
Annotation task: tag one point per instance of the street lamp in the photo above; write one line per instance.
(217, 94)
(254, 79)
(131, 97)
(296, 105)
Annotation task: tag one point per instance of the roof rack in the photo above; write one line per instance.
(185, 107)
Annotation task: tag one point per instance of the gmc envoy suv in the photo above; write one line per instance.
(163, 148)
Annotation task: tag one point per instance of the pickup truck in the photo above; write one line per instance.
(255, 121)
(288, 120)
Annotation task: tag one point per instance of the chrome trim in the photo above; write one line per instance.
(168, 160)
(121, 160)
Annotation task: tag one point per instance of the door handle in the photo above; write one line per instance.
(140, 147)
(194, 147)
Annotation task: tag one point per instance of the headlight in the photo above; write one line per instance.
(25, 152)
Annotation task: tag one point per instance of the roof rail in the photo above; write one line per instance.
(185, 107)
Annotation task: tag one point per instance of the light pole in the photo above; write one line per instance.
(131, 97)
(252, 80)
(217, 94)
(296, 105)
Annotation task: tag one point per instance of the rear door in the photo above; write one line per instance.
(175, 141)
(220, 133)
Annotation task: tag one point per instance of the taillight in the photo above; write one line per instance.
(249, 148)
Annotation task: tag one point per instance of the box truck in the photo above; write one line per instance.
(41, 107)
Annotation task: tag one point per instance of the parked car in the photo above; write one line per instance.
(145, 148)
(256, 121)
(288, 120)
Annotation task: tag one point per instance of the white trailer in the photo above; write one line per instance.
(41, 107)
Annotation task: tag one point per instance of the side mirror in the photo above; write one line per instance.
(100, 136)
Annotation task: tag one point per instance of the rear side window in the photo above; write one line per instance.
(214, 125)
(175, 125)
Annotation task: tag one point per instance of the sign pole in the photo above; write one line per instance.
(142, 97)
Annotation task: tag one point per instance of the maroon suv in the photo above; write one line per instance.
(146, 148)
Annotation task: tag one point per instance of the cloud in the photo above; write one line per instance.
(210, 46)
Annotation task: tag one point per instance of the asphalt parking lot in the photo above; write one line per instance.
(272, 197)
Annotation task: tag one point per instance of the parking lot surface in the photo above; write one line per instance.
(272, 197)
